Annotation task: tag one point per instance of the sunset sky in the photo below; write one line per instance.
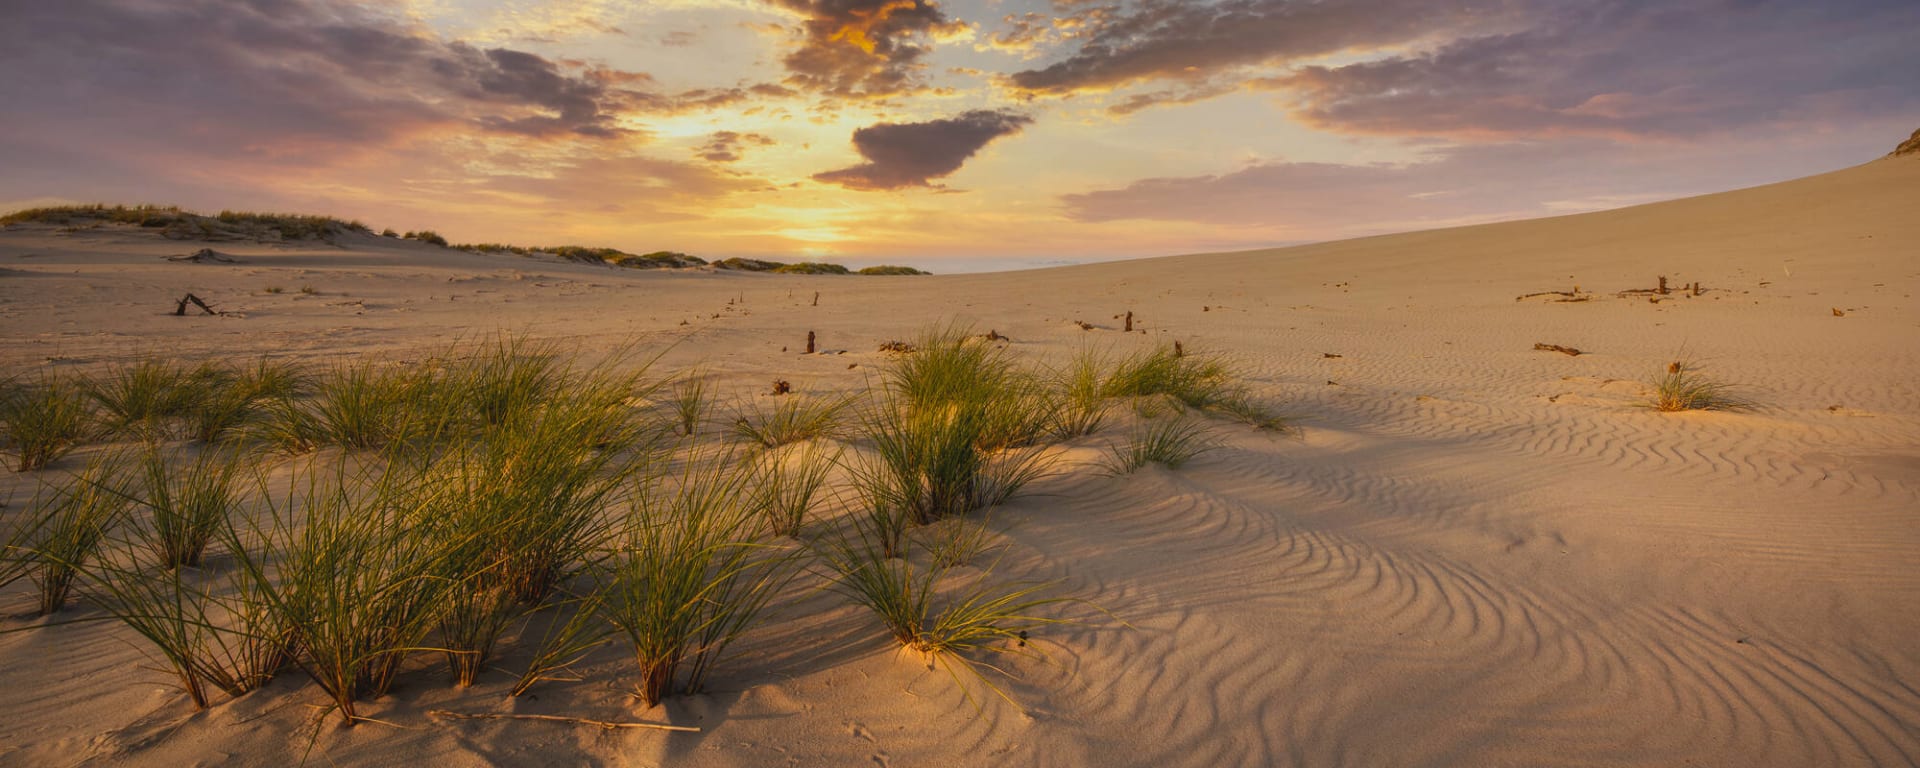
(950, 134)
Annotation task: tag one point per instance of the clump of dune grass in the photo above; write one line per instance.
(950, 368)
(1199, 381)
(955, 541)
(512, 375)
(514, 514)
(140, 398)
(689, 401)
(951, 621)
(793, 419)
(787, 483)
(45, 420)
(190, 505)
(1170, 443)
(357, 585)
(1081, 404)
(226, 400)
(368, 406)
(565, 642)
(688, 579)
(288, 425)
(212, 632)
(1686, 387)
(71, 523)
(928, 463)
(952, 432)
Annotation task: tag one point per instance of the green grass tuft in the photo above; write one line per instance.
(1686, 387)
(689, 579)
(793, 419)
(1170, 443)
(45, 420)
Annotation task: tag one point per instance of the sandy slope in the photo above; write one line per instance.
(1473, 553)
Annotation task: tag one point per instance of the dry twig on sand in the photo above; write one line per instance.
(608, 725)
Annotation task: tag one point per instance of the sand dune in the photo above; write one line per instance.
(1470, 553)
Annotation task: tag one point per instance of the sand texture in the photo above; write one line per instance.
(1469, 553)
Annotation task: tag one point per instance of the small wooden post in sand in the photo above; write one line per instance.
(1129, 328)
(809, 342)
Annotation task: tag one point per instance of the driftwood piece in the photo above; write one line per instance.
(1573, 295)
(1129, 328)
(606, 724)
(1568, 351)
(809, 342)
(205, 255)
(993, 335)
(900, 347)
(781, 387)
(180, 307)
(1084, 325)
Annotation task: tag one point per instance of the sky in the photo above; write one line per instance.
(948, 134)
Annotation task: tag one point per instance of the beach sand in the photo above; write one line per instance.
(1469, 552)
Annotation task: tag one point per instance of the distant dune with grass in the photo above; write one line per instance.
(1634, 487)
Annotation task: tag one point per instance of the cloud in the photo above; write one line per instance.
(1630, 70)
(286, 71)
(901, 155)
(1194, 41)
(725, 146)
(863, 48)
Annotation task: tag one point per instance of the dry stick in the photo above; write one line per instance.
(558, 719)
(1568, 351)
(816, 298)
(180, 309)
(1129, 328)
(1575, 293)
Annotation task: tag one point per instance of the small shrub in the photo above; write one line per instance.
(886, 269)
(45, 420)
(1685, 387)
(276, 289)
(811, 268)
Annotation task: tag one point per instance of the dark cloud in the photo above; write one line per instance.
(234, 76)
(725, 146)
(1630, 69)
(1193, 41)
(901, 155)
(862, 48)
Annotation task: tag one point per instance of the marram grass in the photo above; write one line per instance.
(1686, 387)
(44, 420)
